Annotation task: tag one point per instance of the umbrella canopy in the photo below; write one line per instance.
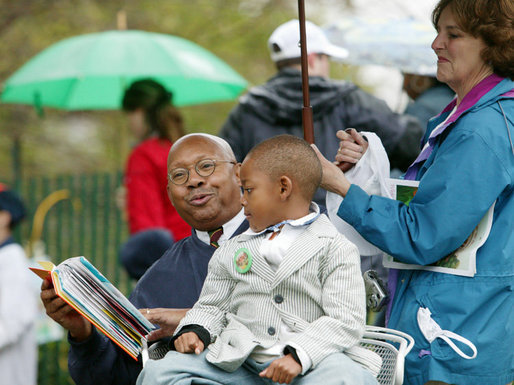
(401, 43)
(92, 71)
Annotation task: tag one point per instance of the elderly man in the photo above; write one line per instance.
(203, 186)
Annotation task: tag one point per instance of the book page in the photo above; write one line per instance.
(45, 271)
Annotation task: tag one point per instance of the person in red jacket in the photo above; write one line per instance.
(154, 224)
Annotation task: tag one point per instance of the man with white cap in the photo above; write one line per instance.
(276, 107)
(285, 48)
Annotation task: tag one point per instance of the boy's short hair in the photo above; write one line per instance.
(291, 156)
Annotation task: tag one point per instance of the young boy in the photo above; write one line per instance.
(282, 301)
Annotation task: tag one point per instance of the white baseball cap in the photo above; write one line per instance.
(284, 42)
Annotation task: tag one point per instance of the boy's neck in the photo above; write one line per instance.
(295, 210)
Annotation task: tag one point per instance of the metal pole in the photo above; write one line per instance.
(307, 123)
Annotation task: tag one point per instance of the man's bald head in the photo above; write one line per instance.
(216, 140)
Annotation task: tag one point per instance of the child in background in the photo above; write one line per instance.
(285, 300)
(18, 307)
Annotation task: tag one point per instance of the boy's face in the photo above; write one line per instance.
(261, 197)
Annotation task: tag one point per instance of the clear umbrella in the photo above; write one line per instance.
(400, 43)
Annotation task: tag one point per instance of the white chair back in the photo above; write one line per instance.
(392, 346)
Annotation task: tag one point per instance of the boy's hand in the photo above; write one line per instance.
(189, 343)
(282, 370)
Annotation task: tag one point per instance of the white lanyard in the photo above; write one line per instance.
(431, 330)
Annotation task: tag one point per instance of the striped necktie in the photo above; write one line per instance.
(214, 236)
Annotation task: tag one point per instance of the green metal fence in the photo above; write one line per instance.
(73, 215)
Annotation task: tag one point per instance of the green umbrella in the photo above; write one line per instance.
(92, 71)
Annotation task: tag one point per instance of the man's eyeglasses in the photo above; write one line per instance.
(204, 168)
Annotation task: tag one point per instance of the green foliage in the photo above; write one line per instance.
(74, 142)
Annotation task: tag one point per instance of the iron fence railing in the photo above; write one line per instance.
(70, 216)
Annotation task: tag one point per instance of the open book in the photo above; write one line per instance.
(460, 262)
(85, 289)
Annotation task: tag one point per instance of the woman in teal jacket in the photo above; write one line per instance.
(466, 165)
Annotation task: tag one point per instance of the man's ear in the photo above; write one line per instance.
(286, 187)
(168, 187)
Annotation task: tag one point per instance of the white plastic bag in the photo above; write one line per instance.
(370, 173)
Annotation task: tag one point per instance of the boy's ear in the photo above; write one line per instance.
(286, 187)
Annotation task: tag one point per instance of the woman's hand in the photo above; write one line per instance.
(167, 319)
(352, 147)
(333, 178)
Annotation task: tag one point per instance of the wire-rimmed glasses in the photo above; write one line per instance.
(204, 168)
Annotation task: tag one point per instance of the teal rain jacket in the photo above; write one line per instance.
(471, 166)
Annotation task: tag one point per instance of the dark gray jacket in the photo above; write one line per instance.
(276, 108)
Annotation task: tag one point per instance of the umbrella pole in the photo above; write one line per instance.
(308, 129)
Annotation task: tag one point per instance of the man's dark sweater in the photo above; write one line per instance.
(174, 281)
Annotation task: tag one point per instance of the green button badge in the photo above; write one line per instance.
(243, 260)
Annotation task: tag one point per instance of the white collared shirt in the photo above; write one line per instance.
(229, 229)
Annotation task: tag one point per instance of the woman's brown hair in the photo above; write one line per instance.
(490, 20)
(160, 114)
